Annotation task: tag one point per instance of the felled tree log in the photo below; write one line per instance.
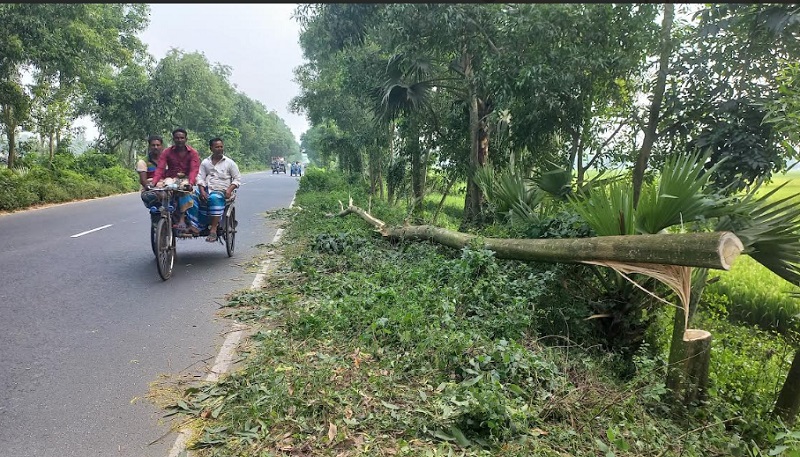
(715, 250)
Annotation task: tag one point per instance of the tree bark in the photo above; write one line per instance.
(11, 134)
(788, 404)
(655, 106)
(444, 197)
(478, 150)
(389, 186)
(688, 375)
(417, 167)
(715, 250)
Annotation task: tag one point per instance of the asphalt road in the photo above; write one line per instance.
(86, 323)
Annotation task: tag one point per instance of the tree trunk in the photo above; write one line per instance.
(479, 146)
(444, 197)
(131, 156)
(688, 374)
(390, 184)
(11, 134)
(788, 404)
(472, 203)
(715, 250)
(655, 107)
(417, 168)
(51, 145)
(576, 157)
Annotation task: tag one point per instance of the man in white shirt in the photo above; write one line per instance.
(217, 182)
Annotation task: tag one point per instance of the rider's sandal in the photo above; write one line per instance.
(180, 226)
(212, 237)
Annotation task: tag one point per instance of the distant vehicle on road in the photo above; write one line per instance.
(296, 169)
(278, 165)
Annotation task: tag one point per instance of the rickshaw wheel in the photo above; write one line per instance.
(165, 243)
(230, 231)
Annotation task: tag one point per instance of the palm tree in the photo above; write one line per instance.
(404, 96)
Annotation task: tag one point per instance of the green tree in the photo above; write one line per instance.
(67, 42)
(726, 71)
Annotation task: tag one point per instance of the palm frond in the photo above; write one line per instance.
(557, 182)
(608, 210)
(769, 230)
(510, 192)
(678, 197)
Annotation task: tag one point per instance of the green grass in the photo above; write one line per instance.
(365, 347)
(792, 187)
(757, 296)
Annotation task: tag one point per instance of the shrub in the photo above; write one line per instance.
(318, 180)
(92, 163)
(119, 178)
(14, 194)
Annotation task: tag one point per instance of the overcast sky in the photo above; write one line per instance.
(259, 42)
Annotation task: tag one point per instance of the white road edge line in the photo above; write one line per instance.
(90, 231)
(225, 356)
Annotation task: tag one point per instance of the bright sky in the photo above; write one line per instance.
(258, 41)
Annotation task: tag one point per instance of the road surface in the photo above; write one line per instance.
(87, 324)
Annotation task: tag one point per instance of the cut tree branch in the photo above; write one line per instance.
(715, 250)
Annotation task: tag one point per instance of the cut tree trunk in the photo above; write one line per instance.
(788, 404)
(665, 257)
(715, 250)
(688, 375)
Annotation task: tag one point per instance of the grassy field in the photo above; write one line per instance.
(755, 294)
(792, 181)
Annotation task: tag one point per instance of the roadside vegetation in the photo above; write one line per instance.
(364, 346)
(497, 120)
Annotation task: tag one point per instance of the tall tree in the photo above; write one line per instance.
(727, 71)
(654, 116)
(67, 42)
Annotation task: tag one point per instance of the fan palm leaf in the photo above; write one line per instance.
(608, 210)
(557, 182)
(769, 230)
(510, 192)
(678, 197)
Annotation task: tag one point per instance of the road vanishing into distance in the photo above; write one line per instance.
(87, 324)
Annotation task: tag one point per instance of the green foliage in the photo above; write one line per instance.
(318, 180)
(608, 210)
(769, 229)
(756, 296)
(513, 196)
(65, 47)
(565, 224)
(121, 179)
(679, 197)
(90, 162)
(59, 181)
(422, 350)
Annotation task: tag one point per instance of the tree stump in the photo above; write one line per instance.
(688, 367)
